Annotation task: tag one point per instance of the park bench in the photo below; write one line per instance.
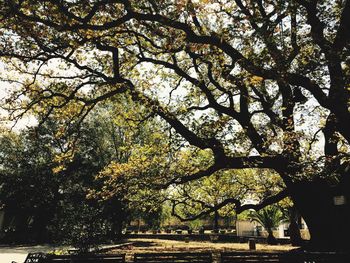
(324, 257)
(176, 257)
(47, 258)
(35, 257)
(253, 257)
(307, 257)
(120, 258)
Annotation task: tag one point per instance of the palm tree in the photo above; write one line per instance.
(269, 217)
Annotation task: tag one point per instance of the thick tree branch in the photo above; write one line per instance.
(233, 163)
(75, 26)
(343, 33)
(317, 27)
(242, 117)
(236, 202)
(268, 201)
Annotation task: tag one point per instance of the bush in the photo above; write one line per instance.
(81, 227)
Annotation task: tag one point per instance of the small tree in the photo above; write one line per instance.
(81, 226)
(269, 218)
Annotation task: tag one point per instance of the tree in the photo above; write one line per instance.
(197, 199)
(269, 217)
(29, 190)
(254, 82)
(44, 188)
(212, 194)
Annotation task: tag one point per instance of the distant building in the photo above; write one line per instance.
(249, 228)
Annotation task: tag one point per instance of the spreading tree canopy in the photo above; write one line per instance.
(261, 84)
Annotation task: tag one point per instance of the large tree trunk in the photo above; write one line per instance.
(328, 222)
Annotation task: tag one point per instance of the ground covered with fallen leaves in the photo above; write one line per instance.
(141, 245)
